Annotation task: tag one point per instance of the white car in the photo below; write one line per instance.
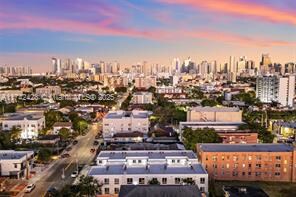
(74, 174)
(30, 187)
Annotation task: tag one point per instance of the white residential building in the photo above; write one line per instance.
(142, 98)
(168, 90)
(278, 89)
(168, 167)
(15, 164)
(59, 125)
(125, 121)
(29, 124)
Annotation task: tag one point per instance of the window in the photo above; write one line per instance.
(258, 165)
(227, 165)
(258, 157)
(277, 165)
(244, 165)
(243, 173)
(235, 165)
(250, 158)
(116, 190)
(107, 191)
(106, 181)
(202, 180)
(223, 158)
(277, 173)
(134, 161)
(257, 173)
(278, 158)
(139, 161)
(177, 180)
(164, 181)
(173, 161)
(141, 181)
(249, 173)
(202, 189)
(116, 181)
(214, 158)
(15, 165)
(250, 165)
(129, 180)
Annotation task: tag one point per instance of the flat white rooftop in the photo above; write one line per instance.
(152, 169)
(151, 154)
(215, 109)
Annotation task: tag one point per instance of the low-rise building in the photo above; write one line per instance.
(238, 137)
(168, 167)
(49, 91)
(15, 164)
(249, 162)
(29, 124)
(125, 122)
(142, 98)
(59, 125)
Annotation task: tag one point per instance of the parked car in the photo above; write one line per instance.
(74, 174)
(51, 192)
(66, 155)
(69, 149)
(30, 187)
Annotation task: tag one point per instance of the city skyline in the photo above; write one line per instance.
(155, 31)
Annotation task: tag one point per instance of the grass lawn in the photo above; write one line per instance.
(273, 189)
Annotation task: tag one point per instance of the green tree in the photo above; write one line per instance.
(88, 186)
(188, 181)
(44, 155)
(5, 141)
(192, 137)
(64, 133)
(120, 89)
(209, 102)
(80, 125)
(153, 181)
(52, 117)
(15, 133)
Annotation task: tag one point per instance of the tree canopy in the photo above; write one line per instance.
(192, 137)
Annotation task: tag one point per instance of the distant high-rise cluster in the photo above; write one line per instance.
(15, 70)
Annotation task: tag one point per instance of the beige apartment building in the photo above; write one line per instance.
(214, 114)
(249, 162)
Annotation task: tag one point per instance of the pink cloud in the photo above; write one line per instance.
(234, 7)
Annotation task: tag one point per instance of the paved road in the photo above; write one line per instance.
(53, 176)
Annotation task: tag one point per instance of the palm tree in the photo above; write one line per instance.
(88, 186)
(15, 133)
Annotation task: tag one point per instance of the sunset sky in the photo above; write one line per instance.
(130, 31)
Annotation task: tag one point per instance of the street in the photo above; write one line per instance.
(80, 152)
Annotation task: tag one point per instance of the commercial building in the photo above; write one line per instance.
(125, 122)
(278, 89)
(29, 124)
(214, 114)
(142, 98)
(168, 167)
(15, 164)
(218, 118)
(249, 162)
